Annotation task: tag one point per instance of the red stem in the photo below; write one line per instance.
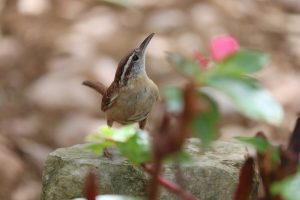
(153, 193)
(172, 187)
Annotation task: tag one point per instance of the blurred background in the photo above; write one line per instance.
(48, 47)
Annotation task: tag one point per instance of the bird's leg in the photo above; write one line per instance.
(142, 123)
(106, 153)
(109, 123)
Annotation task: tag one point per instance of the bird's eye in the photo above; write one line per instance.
(135, 58)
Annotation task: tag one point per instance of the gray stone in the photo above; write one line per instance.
(213, 174)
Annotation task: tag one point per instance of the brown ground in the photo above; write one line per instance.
(47, 48)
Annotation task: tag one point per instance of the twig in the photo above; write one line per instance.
(169, 185)
(153, 193)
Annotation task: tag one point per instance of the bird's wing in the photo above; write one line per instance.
(109, 98)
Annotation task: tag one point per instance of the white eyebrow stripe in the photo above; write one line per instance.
(125, 69)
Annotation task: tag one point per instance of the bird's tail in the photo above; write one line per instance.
(99, 87)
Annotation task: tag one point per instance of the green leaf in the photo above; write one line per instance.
(189, 68)
(288, 188)
(94, 137)
(118, 135)
(124, 133)
(205, 123)
(99, 147)
(261, 145)
(258, 143)
(133, 144)
(113, 197)
(104, 132)
(174, 99)
(181, 157)
(137, 148)
(252, 100)
(243, 62)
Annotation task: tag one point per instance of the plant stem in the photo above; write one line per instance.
(153, 193)
(169, 185)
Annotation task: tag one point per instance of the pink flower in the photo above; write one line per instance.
(202, 61)
(223, 46)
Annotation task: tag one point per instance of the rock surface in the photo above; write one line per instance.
(211, 175)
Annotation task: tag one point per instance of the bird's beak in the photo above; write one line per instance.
(145, 43)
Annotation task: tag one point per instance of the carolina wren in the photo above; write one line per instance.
(131, 95)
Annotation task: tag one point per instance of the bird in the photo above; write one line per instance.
(132, 94)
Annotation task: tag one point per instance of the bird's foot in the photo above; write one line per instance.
(107, 154)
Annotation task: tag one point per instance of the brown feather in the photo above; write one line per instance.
(99, 87)
(110, 97)
(121, 66)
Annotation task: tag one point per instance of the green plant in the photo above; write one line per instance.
(278, 168)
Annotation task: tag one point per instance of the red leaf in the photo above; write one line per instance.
(265, 167)
(202, 61)
(294, 144)
(244, 187)
(90, 188)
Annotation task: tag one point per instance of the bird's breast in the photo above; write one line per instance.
(135, 101)
(139, 93)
